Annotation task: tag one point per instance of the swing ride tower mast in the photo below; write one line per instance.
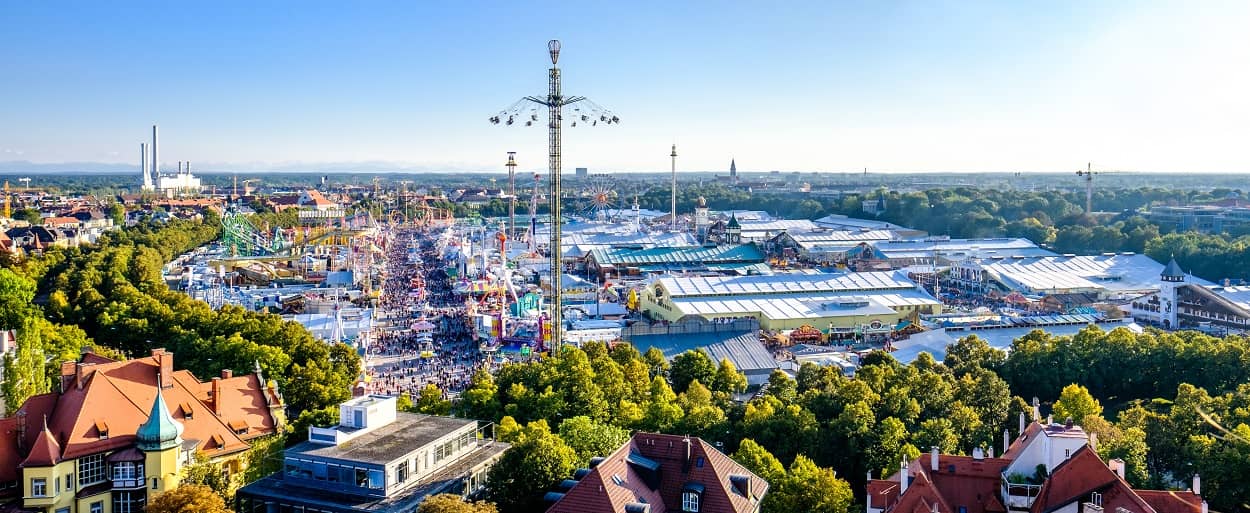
(585, 111)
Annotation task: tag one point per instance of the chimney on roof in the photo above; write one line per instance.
(978, 453)
(1116, 465)
(902, 477)
(69, 372)
(933, 458)
(165, 366)
(1067, 423)
(80, 374)
(1007, 439)
(1022, 424)
(1037, 409)
(84, 351)
(989, 449)
(1198, 489)
(227, 374)
(21, 429)
(1093, 441)
(1050, 419)
(216, 391)
(686, 464)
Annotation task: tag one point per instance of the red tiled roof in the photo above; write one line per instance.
(921, 497)
(8, 449)
(45, 453)
(1077, 478)
(599, 491)
(60, 221)
(118, 396)
(1166, 501)
(959, 481)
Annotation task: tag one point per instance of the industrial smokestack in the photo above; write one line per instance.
(143, 162)
(156, 153)
(179, 167)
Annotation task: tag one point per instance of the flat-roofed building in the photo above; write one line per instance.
(375, 460)
(867, 302)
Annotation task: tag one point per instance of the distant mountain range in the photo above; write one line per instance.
(214, 167)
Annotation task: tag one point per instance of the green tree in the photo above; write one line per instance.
(29, 215)
(188, 499)
(117, 212)
(431, 401)
(589, 438)
(757, 459)
(728, 379)
(24, 373)
(206, 473)
(690, 366)
(452, 503)
(972, 351)
(808, 487)
(656, 363)
(16, 294)
(526, 470)
(308, 418)
(479, 401)
(1076, 403)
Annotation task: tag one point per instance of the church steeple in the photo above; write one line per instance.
(733, 171)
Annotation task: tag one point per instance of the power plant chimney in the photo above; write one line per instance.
(156, 153)
(143, 162)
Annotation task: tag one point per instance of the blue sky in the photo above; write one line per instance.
(811, 86)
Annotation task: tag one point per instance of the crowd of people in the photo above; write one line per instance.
(410, 354)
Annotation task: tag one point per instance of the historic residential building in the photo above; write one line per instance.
(115, 434)
(661, 473)
(1049, 467)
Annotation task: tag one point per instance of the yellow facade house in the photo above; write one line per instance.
(116, 434)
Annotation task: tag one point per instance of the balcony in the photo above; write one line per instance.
(1019, 496)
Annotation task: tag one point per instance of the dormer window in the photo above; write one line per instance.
(690, 502)
(691, 495)
(103, 429)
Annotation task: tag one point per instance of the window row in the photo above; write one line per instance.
(373, 479)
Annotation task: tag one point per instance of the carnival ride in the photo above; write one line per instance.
(600, 198)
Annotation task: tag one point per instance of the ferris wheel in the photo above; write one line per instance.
(599, 199)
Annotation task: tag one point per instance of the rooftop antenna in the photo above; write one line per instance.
(583, 110)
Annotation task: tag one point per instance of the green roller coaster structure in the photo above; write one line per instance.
(244, 240)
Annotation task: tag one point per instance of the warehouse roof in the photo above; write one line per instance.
(1117, 273)
(722, 286)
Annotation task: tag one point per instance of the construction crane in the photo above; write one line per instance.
(25, 181)
(1088, 173)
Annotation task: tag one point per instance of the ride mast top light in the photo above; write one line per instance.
(553, 46)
